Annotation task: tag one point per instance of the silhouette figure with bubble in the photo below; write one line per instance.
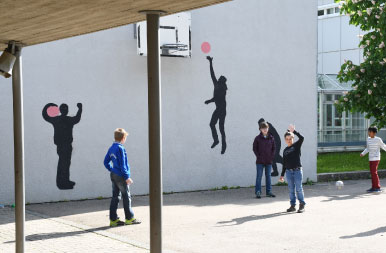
(219, 114)
(63, 126)
(278, 158)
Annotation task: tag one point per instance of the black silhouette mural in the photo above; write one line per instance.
(219, 114)
(63, 126)
(278, 158)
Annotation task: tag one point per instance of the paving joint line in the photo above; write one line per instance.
(90, 230)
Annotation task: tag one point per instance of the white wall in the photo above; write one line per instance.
(268, 68)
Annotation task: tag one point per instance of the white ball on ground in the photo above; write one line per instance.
(339, 184)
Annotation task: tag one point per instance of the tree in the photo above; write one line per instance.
(369, 78)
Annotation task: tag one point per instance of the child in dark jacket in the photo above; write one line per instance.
(292, 168)
(264, 149)
(116, 162)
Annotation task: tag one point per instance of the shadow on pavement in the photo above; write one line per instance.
(242, 196)
(242, 220)
(46, 236)
(365, 234)
(345, 197)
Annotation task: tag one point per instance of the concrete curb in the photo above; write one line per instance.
(352, 175)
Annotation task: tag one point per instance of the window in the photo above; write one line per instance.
(320, 12)
(337, 10)
(330, 11)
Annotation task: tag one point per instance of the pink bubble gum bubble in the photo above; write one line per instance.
(53, 111)
(205, 47)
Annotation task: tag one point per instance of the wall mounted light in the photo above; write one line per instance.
(7, 60)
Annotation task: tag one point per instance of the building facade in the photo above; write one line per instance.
(253, 46)
(337, 41)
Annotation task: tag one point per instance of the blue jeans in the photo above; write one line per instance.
(259, 176)
(120, 187)
(294, 179)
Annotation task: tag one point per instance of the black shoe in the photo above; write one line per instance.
(223, 148)
(65, 186)
(274, 174)
(71, 183)
(271, 195)
(258, 195)
(370, 190)
(301, 208)
(214, 144)
(291, 209)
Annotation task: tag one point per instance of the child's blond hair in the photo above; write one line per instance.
(119, 134)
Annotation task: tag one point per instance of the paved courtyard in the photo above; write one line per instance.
(347, 220)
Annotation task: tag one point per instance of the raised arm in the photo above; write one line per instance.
(301, 138)
(45, 114)
(76, 118)
(214, 79)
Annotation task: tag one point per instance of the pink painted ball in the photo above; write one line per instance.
(205, 47)
(53, 111)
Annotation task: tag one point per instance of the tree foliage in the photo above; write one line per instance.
(368, 78)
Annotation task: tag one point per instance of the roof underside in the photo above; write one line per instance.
(39, 21)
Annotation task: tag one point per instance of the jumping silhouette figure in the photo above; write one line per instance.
(63, 126)
(278, 158)
(219, 114)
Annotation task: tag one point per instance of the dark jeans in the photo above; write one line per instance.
(120, 188)
(260, 168)
(63, 172)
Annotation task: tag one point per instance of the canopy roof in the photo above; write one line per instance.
(330, 82)
(39, 21)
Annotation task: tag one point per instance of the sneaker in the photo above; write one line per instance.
(117, 222)
(370, 190)
(271, 195)
(377, 190)
(301, 208)
(132, 221)
(291, 209)
(258, 195)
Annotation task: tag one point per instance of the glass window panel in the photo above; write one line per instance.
(337, 10)
(330, 11)
(338, 114)
(328, 97)
(320, 12)
(329, 115)
(338, 122)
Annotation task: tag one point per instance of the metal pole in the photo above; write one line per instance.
(155, 130)
(18, 133)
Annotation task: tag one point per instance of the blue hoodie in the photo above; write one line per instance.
(118, 156)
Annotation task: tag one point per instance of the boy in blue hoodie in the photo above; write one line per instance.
(116, 162)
